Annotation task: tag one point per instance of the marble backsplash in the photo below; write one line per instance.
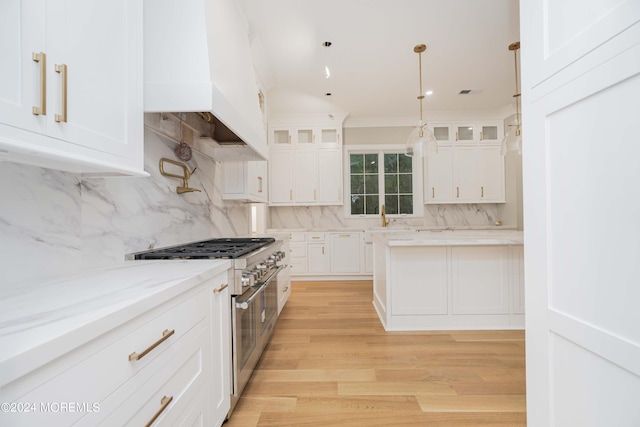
(436, 216)
(53, 223)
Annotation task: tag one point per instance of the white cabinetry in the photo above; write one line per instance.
(305, 164)
(468, 168)
(171, 361)
(244, 180)
(284, 277)
(71, 89)
(345, 252)
(330, 255)
(433, 287)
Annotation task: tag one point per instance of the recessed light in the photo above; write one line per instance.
(429, 93)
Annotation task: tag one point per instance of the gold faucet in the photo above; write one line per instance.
(385, 221)
(185, 176)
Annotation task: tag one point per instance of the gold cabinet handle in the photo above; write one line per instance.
(290, 194)
(345, 235)
(164, 402)
(313, 138)
(165, 335)
(315, 194)
(221, 288)
(481, 191)
(433, 192)
(457, 191)
(41, 58)
(480, 135)
(456, 136)
(259, 184)
(323, 250)
(62, 68)
(289, 139)
(338, 138)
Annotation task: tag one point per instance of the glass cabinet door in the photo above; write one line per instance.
(281, 137)
(489, 133)
(441, 133)
(464, 133)
(305, 136)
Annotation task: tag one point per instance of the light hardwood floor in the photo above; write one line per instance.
(330, 363)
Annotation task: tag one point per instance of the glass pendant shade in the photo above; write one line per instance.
(421, 142)
(512, 142)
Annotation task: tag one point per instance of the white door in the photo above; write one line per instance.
(491, 173)
(330, 176)
(581, 188)
(439, 186)
(316, 258)
(22, 33)
(305, 177)
(281, 176)
(345, 252)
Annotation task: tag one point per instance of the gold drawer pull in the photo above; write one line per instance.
(62, 69)
(481, 191)
(285, 290)
(221, 288)
(41, 58)
(164, 402)
(259, 184)
(165, 335)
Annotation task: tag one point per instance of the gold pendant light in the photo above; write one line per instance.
(421, 141)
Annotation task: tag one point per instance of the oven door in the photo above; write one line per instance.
(254, 316)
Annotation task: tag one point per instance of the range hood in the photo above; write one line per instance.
(197, 58)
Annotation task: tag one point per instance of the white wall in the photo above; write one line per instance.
(52, 222)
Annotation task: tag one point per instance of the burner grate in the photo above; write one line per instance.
(208, 249)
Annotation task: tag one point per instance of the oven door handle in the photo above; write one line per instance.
(244, 304)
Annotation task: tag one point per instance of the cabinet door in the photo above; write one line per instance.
(221, 352)
(281, 176)
(257, 180)
(305, 189)
(316, 258)
(480, 280)
(466, 177)
(330, 176)
(368, 258)
(22, 33)
(329, 137)
(491, 174)
(439, 186)
(345, 252)
(104, 73)
(280, 137)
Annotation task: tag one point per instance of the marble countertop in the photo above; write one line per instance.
(389, 228)
(42, 320)
(449, 238)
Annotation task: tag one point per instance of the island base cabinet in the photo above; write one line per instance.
(434, 287)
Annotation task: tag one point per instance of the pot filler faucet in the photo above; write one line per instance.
(185, 176)
(385, 221)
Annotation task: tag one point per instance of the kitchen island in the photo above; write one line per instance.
(448, 280)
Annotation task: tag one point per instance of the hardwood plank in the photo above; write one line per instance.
(486, 403)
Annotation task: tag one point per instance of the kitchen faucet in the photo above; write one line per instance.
(185, 176)
(385, 221)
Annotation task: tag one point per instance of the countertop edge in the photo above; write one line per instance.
(22, 352)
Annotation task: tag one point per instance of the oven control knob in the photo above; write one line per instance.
(246, 280)
(270, 262)
(261, 267)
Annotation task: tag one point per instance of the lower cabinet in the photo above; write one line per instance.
(449, 287)
(330, 255)
(284, 277)
(169, 364)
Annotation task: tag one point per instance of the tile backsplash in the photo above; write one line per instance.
(53, 223)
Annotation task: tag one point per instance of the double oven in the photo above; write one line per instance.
(253, 284)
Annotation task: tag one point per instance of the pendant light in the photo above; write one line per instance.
(512, 141)
(421, 141)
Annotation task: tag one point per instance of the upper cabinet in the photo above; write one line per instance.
(305, 162)
(197, 57)
(71, 86)
(245, 181)
(468, 167)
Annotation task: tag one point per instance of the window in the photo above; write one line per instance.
(381, 177)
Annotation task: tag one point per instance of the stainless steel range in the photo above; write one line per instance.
(253, 282)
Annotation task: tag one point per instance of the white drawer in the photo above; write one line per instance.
(315, 237)
(297, 237)
(98, 374)
(178, 375)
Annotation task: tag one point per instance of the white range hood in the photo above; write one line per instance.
(197, 58)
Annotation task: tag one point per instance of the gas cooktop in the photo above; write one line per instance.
(208, 249)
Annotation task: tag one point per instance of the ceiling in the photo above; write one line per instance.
(374, 70)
